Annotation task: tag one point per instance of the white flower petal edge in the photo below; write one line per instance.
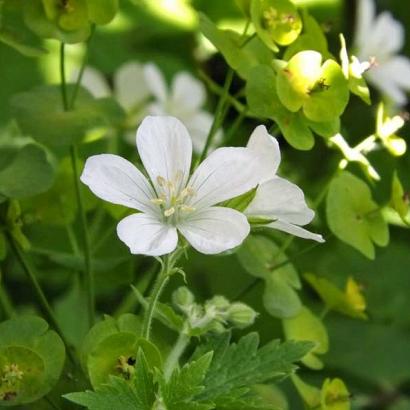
(130, 86)
(296, 230)
(226, 173)
(93, 81)
(116, 180)
(187, 93)
(155, 82)
(145, 234)
(216, 229)
(267, 149)
(277, 198)
(165, 148)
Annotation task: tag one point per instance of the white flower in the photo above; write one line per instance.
(171, 200)
(378, 39)
(276, 198)
(130, 88)
(183, 100)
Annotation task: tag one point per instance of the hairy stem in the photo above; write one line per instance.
(175, 354)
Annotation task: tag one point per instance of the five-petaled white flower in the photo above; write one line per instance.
(171, 200)
(277, 199)
(135, 84)
(183, 100)
(378, 39)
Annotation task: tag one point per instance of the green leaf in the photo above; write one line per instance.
(307, 326)
(3, 247)
(241, 202)
(353, 216)
(276, 22)
(138, 394)
(29, 169)
(180, 391)
(321, 90)
(13, 40)
(350, 302)
(236, 366)
(279, 298)
(40, 114)
(111, 342)
(31, 360)
(263, 101)
(242, 58)
(102, 11)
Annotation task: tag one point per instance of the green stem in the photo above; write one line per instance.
(6, 303)
(175, 354)
(85, 239)
(82, 68)
(219, 117)
(89, 282)
(229, 136)
(42, 300)
(159, 285)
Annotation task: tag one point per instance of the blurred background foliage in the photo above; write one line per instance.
(373, 356)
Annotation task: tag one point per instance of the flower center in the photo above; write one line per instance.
(173, 198)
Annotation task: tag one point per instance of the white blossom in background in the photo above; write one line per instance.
(378, 39)
(277, 199)
(135, 84)
(172, 201)
(184, 99)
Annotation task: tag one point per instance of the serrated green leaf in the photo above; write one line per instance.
(137, 394)
(238, 365)
(399, 200)
(353, 216)
(180, 391)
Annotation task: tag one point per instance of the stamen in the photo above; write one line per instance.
(161, 181)
(169, 212)
(158, 201)
(186, 208)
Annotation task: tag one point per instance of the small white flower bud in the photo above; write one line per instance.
(183, 297)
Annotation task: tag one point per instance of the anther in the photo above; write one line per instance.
(169, 212)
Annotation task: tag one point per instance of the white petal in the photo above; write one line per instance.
(198, 126)
(225, 173)
(155, 82)
(280, 199)
(93, 81)
(156, 108)
(383, 45)
(296, 230)
(215, 230)
(365, 15)
(165, 148)
(116, 180)
(144, 234)
(267, 148)
(130, 86)
(187, 93)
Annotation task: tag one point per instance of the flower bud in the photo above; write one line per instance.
(183, 297)
(241, 315)
(219, 303)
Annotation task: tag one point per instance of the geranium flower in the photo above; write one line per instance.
(378, 39)
(183, 100)
(171, 200)
(278, 200)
